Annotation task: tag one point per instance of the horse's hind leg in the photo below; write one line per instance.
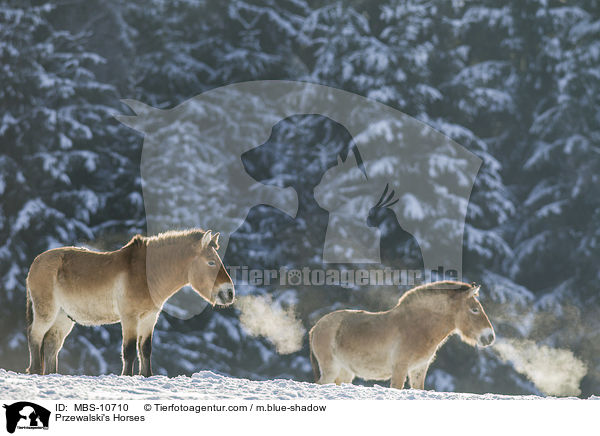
(53, 341)
(321, 338)
(328, 366)
(344, 376)
(44, 315)
(144, 344)
(330, 372)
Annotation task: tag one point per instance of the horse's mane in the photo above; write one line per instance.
(443, 287)
(171, 237)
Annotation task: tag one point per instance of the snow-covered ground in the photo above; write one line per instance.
(204, 385)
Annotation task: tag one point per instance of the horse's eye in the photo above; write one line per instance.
(475, 310)
(211, 263)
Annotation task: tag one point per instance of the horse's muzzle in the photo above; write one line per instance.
(225, 295)
(486, 337)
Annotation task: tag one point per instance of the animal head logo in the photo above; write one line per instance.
(196, 173)
(24, 414)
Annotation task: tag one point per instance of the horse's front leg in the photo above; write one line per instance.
(145, 330)
(399, 371)
(416, 376)
(129, 328)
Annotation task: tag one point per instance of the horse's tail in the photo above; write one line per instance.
(28, 319)
(28, 312)
(313, 359)
(315, 366)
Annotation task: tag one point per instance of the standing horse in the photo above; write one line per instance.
(400, 341)
(67, 285)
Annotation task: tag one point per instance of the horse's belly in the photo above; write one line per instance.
(92, 306)
(368, 373)
(378, 366)
(368, 365)
(372, 370)
(86, 315)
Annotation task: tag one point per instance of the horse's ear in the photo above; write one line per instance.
(206, 239)
(215, 238)
(474, 291)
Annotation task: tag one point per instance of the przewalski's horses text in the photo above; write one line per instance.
(400, 341)
(67, 285)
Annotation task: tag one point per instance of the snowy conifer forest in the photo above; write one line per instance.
(517, 83)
